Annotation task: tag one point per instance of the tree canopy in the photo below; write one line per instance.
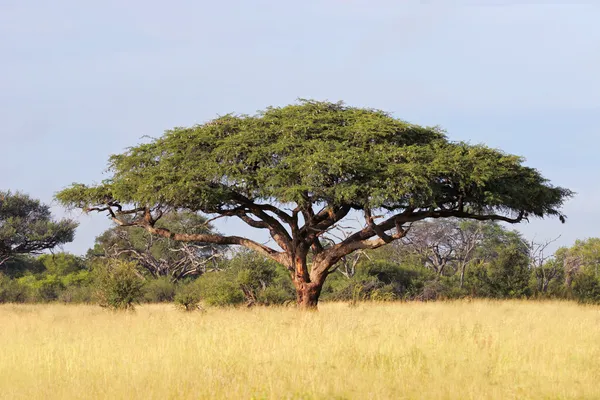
(298, 170)
(27, 227)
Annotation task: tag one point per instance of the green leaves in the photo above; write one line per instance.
(326, 153)
(26, 226)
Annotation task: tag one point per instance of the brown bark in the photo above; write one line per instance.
(308, 284)
(307, 295)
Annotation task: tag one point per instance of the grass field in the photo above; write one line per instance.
(454, 350)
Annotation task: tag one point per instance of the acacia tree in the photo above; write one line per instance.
(27, 227)
(299, 170)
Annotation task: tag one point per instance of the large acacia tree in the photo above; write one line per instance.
(299, 170)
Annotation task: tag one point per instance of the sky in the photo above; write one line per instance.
(82, 80)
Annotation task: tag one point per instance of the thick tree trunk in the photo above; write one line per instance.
(307, 295)
(308, 284)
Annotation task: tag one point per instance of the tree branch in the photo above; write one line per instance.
(216, 239)
(361, 239)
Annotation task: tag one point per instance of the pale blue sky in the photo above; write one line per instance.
(79, 81)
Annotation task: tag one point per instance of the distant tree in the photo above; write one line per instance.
(27, 227)
(20, 265)
(582, 269)
(300, 170)
(61, 263)
(503, 264)
(545, 268)
(161, 256)
(446, 246)
(434, 242)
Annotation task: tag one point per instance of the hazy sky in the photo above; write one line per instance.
(80, 81)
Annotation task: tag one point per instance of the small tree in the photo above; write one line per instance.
(299, 171)
(118, 285)
(188, 296)
(27, 227)
(545, 268)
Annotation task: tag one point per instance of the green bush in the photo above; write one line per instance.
(40, 288)
(47, 289)
(219, 289)
(77, 279)
(247, 278)
(275, 294)
(22, 265)
(586, 287)
(379, 281)
(11, 291)
(159, 290)
(505, 276)
(61, 263)
(118, 285)
(187, 296)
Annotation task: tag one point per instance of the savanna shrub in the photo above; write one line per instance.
(219, 289)
(586, 287)
(11, 291)
(47, 289)
(159, 290)
(187, 296)
(118, 285)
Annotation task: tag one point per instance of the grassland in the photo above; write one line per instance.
(454, 350)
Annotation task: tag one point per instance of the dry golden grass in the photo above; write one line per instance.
(453, 350)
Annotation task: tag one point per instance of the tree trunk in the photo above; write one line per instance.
(463, 267)
(308, 284)
(307, 295)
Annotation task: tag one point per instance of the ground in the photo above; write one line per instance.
(445, 350)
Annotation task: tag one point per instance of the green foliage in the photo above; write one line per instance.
(334, 153)
(247, 277)
(118, 285)
(49, 288)
(188, 296)
(262, 281)
(61, 263)
(26, 226)
(379, 280)
(218, 289)
(506, 276)
(586, 287)
(12, 291)
(314, 154)
(47, 278)
(159, 290)
(41, 288)
(21, 265)
(77, 279)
